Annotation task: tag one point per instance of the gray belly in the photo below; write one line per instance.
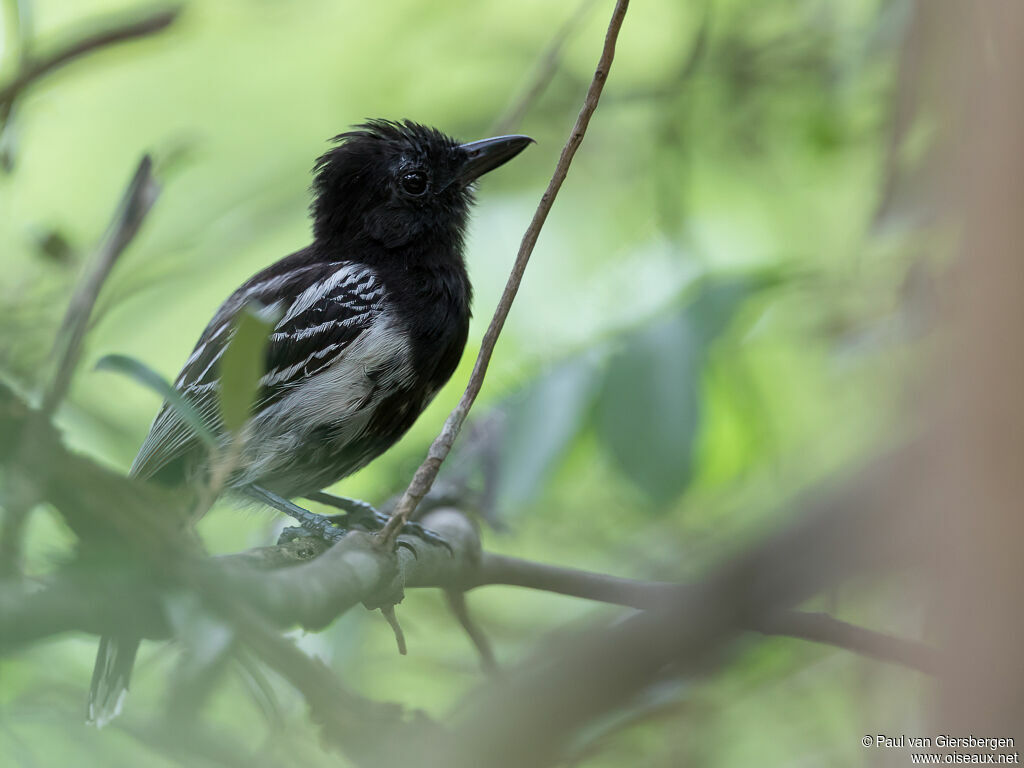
(327, 426)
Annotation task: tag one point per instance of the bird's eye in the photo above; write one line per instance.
(414, 183)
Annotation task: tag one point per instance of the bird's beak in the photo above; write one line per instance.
(487, 154)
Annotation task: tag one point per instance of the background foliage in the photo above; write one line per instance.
(717, 314)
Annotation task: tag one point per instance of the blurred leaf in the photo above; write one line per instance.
(204, 634)
(660, 700)
(649, 407)
(260, 691)
(207, 641)
(242, 367)
(143, 374)
(713, 308)
(540, 424)
(54, 245)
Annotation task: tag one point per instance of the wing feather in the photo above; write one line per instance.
(326, 307)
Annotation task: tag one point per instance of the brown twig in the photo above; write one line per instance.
(543, 73)
(388, 612)
(514, 571)
(442, 445)
(828, 630)
(457, 603)
(647, 595)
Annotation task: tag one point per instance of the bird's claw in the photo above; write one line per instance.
(368, 517)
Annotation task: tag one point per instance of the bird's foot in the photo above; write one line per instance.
(368, 517)
(295, 532)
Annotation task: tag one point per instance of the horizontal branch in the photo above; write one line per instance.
(828, 630)
(572, 680)
(306, 583)
(353, 571)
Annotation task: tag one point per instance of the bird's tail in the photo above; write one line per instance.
(110, 678)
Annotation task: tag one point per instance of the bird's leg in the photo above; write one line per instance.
(368, 516)
(356, 510)
(320, 525)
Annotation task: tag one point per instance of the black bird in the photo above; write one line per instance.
(374, 316)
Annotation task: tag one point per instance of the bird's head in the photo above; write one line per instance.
(398, 183)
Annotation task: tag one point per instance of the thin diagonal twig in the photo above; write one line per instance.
(442, 445)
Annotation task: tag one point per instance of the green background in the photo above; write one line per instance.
(719, 312)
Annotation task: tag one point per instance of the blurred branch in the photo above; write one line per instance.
(674, 87)
(543, 73)
(196, 743)
(513, 571)
(442, 445)
(137, 201)
(349, 721)
(18, 20)
(135, 549)
(529, 717)
(645, 595)
(457, 603)
(138, 198)
(33, 68)
(307, 583)
(260, 590)
(285, 584)
(827, 630)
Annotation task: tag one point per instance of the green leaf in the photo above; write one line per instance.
(540, 423)
(143, 374)
(208, 641)
(242, 366)
(649, 407)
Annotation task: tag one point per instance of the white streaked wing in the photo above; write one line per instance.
(170, 436)
(340, 302)
(344, 394)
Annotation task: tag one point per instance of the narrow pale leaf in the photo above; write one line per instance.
(143, 374)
